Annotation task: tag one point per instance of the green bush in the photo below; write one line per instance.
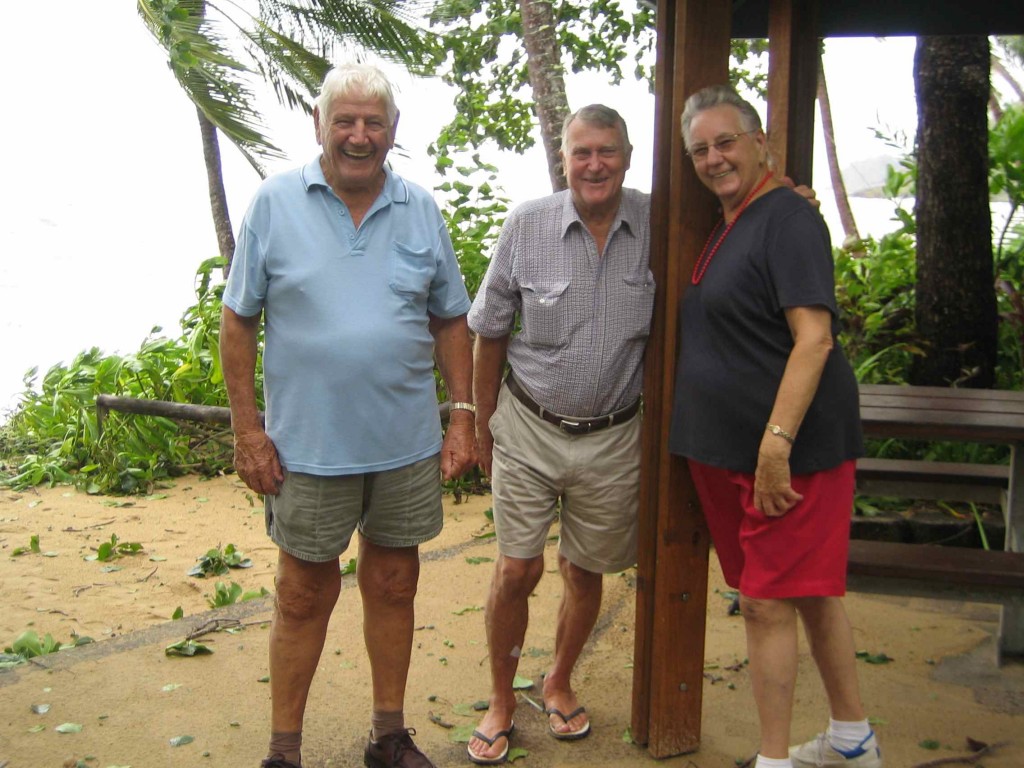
(53, 436)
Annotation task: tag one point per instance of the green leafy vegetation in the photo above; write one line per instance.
(187, 648)
(217, 562)
(29, 645)
(875, 291)
(54, 437)
(229, 594)
(115, 548)
(32, 548)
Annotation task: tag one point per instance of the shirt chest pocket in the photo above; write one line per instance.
(411, 270)
(545, 313)
(636, 317)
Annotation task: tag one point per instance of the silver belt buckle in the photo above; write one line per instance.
(570, 427)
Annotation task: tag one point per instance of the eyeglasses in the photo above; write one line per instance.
(722, 145)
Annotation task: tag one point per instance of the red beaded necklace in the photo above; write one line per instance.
(705, 256)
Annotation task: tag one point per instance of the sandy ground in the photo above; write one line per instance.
(132, 700)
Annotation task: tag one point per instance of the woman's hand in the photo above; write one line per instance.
(773, 493)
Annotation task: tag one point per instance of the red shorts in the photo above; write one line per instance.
(801, 554)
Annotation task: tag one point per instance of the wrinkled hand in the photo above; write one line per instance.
(773, 493)
(485, 447)
(257, 463)
(803, 190)
(458, 452)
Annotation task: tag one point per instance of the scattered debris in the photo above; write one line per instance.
(979, 749)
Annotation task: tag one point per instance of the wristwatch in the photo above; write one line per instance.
(457, 406)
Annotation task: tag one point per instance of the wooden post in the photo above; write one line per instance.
(672, 568)
(793, 49)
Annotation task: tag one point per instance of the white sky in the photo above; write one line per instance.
(105, 215)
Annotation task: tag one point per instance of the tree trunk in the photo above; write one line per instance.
(955, 300)
(852, 236)
(218, 198)
(544, 63)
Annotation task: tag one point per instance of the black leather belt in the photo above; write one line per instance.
(570, 424)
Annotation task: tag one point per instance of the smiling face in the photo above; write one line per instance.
(734, 170)
(356, 136)
(596, 159)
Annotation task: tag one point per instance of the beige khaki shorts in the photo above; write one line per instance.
(313, 517)
(596, 477)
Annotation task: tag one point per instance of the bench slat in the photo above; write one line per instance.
(997, 475)
(942, 566)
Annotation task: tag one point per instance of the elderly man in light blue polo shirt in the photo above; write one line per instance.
(352, 270)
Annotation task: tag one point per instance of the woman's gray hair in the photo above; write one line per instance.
(599, 115)
(716, 96)
(351, 79)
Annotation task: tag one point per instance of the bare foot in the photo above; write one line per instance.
(495, 722)
(566, 717)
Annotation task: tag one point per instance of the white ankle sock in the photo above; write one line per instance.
(773, 762)
(847, 735)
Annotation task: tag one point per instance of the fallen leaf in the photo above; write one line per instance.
(520, 683)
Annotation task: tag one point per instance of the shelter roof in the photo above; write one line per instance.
(883, 18)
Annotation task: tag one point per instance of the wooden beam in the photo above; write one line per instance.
(672, 569)
(793, 52)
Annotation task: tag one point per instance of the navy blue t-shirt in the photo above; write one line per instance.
(735, 342)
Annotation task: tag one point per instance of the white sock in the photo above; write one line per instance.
(773, 762)
(847, 735)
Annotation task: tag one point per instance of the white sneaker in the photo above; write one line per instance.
(819, 752)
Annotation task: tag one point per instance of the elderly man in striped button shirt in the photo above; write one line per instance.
(561, 435)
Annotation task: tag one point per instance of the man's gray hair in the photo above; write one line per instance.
(599, 115)
(716, 96)
(352, 79)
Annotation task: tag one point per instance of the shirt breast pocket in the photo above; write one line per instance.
(412, 270)
(545, 313)
(639, 306)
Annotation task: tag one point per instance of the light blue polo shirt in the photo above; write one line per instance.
(348, 361)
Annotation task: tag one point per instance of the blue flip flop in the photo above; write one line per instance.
(497, 759)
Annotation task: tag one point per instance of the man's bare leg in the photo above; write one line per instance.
(306, 595)
(387, 582)
(577, 615)
(507, 616)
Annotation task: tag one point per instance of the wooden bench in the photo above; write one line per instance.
(933, 413)
(929, 570)
(934, 480)
(957, 573)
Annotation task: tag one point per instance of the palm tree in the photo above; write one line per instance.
(286, 44)
(851, 235)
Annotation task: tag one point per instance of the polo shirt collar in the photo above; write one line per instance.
(395, 189)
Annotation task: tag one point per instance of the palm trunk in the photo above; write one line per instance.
(955, 301)
(218, 198)
(544, 63)
(852, 236)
